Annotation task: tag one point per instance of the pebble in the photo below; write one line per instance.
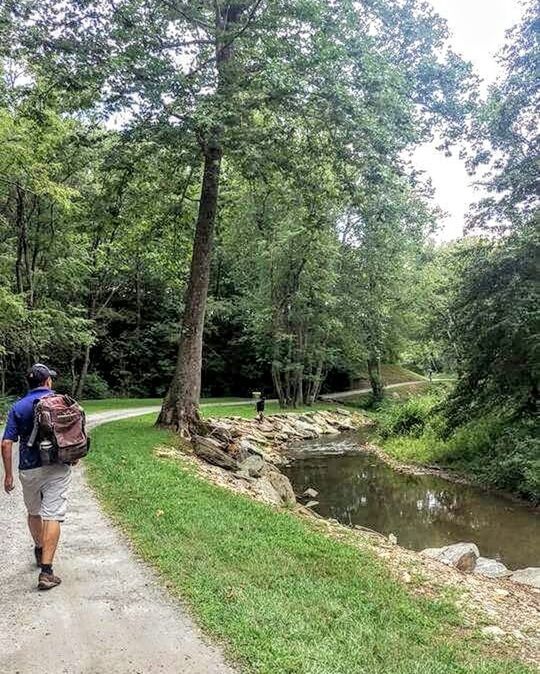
(493, 631)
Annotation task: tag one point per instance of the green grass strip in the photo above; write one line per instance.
(281, 597)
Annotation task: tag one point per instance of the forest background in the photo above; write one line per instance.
(260, 183)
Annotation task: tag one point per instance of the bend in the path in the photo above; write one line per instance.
(360, 391)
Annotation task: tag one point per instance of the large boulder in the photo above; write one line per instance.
(462, 556)
(212, 451)
(253, 465)
(491, 568)
(250, 447)
(281, 484)
(528, 576)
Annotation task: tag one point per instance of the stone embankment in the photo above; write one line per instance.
(466, 557)
(251, 451)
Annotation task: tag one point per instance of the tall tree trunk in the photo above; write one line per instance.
(375, 379)
(74, 378)
(84, 371)
(21, 239)
(92, 313)
(276, 378)
(317, 383)
(180, 408)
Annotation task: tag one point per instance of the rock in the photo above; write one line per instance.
(312, 504)
(501, 593)
(250, 447)
(462, 556)
(493, 631)
(264, 488)
(212, 451)
(244, 475)
(306, 429)
(281, 484)
(491, 568)
(255, 437)
(237, 452)
(529, 576)
(392, 538)
(253, 465)
(311, 493)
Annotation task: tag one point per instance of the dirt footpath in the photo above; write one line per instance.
(110, 614)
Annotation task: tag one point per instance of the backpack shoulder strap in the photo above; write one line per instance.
(35, 427)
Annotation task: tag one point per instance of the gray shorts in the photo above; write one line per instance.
(45, 490)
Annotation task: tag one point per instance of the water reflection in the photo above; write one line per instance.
(422, 511)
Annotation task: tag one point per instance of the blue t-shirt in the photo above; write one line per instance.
(19, 425)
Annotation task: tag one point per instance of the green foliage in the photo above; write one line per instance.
(280, 596)
(496, 317)
(408, 418)
(506, 135)
(316, 135)
(502, 453)
(495, 448)
(95, 387)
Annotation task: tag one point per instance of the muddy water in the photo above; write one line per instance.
(356, 487)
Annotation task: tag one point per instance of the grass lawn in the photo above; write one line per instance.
(391, 374)
(109, 404)
(210, 407)
(281, 597)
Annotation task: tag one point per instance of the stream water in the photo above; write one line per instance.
(356, 487)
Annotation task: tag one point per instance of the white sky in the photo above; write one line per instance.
(477, 32)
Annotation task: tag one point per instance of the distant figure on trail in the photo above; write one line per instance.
(51, 432)
(260, 407)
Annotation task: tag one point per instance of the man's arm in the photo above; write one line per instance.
(7, 458)
(11, 435)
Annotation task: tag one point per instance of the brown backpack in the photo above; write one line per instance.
(60, 429)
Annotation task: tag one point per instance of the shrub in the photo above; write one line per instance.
(505, 454)
(5, 404)
(95, 387)
(500, 451)
(408, 418)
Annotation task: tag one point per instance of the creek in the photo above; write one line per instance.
(356, 487)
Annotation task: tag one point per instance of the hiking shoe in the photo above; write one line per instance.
(47, 581)
(37, 555)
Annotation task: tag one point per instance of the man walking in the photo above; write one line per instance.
(44, 486)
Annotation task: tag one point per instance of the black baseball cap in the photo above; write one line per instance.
(38, 374)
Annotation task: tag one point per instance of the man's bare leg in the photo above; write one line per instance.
(50, 534)
(35, 524)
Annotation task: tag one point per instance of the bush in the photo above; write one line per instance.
(408, 418)
(5, 404)
(95, 387)
(500, 451)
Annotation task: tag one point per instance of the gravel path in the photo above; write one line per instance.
(109, 616)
